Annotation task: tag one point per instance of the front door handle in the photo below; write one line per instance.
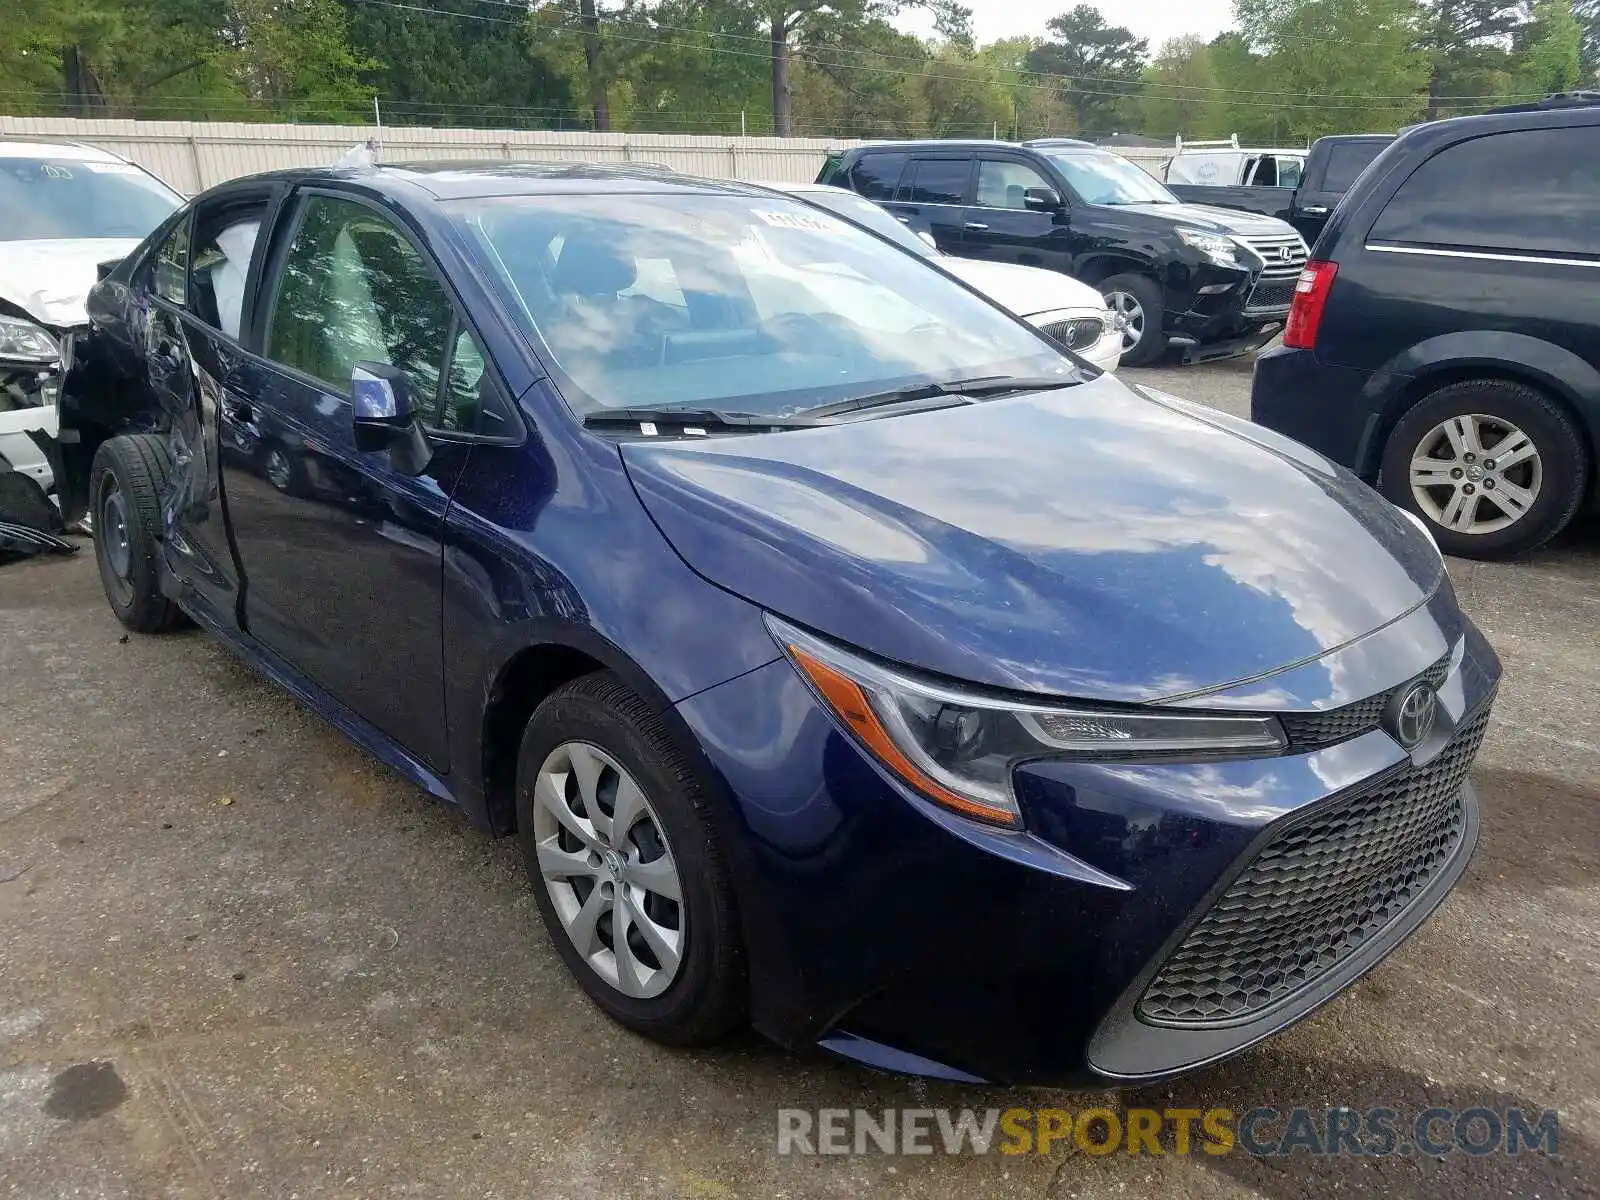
(976, 226)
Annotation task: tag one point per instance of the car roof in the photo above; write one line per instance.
(456, 180)
(1436, 133)
(25, 147)
(937, 144)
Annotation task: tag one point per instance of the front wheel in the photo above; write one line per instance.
(125, 510)
(1495, 467)
(625, 866)
(1136, 305)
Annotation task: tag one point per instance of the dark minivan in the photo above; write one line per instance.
(1443, 341)
(1210, 281)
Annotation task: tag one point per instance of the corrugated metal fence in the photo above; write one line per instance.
(194, 155)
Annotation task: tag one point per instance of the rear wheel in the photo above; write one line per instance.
(1136, 304)
(625, 866)
(124, 502)
(1495, 467)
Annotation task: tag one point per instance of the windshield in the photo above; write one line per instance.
(865, 213)
(750, 304)
(50, 197)
(1107, 179)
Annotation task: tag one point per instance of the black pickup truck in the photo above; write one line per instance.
(1332, 165)
(1213, 282)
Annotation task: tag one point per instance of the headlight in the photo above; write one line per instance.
(24, 341)
(1214, 246)
(958, 747)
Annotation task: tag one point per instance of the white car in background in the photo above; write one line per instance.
(64, 209)
(1071, 312)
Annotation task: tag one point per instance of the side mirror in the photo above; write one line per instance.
(384, 417)
(927, 239)
(1041, 199)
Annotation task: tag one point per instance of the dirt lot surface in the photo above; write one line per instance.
(240, 958)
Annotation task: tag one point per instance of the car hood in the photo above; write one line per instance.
(1023, 290)
(1212, 220)
(1090, 541)
(50, 280)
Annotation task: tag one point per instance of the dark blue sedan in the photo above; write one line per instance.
(847, 658)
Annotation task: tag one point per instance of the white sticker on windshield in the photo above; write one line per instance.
(792, 220)
(112, 168)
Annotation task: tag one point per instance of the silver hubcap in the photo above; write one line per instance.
(608, 869)
(1476, 474)
(1128, 314)
(114, 532)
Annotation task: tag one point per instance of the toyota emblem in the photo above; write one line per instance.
(1413, 714)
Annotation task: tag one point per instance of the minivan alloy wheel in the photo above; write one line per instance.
(608, 869)
(1475, 474)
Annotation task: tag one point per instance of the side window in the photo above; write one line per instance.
(875, 175)
(1004, 184)
(225, 233)
(1535, 190)
(353, 288)
(470, 403)
(1266, 171)
(936, 181)
(1346, 161)
(1289, 170)
(172, 264)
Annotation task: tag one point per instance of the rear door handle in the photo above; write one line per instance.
(976, 226)
(1315, 210)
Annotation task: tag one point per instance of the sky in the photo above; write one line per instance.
(1157, 20)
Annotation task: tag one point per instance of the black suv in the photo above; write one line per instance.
(1445, 337)
(1213, 281)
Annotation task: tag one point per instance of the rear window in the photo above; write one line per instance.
(1346, 162)
(1534, 190)
(875, 175)
(936, 181)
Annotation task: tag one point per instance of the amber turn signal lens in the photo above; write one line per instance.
(852, 707)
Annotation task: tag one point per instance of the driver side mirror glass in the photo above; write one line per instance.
(1041, 199)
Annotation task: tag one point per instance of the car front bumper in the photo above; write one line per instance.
(889, 930)
(28, 416)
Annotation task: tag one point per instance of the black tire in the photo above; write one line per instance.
(133, 468)
(1152, 344)
(708, 997)
(1555, 436)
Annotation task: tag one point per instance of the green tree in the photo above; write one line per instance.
(1181, 94)
(1097, 66)
(1337, 65)
(1468, 44)
(1549, 50)
(1588, 14)
(448, 68)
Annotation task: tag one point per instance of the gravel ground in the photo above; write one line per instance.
(238, 957)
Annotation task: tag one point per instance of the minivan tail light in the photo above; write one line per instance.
(1310, 298)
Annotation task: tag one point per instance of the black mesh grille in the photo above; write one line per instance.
(1272, 293)
(1317, 893)
(1077, 334)
(1308, 731)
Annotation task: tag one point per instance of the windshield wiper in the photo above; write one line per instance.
(960, 390)
(706, 419)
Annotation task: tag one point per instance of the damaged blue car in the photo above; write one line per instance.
(849, 659)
